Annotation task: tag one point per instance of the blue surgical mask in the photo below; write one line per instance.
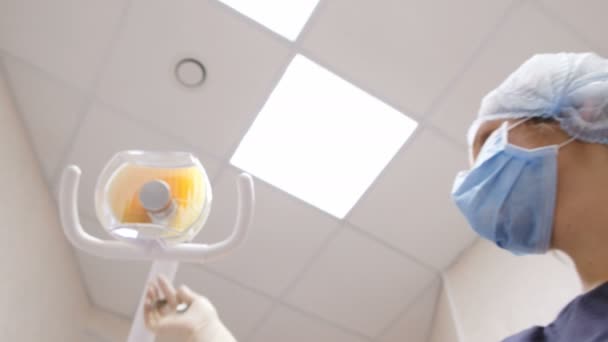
(508, 196)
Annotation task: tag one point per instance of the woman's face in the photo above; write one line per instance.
(582, 175)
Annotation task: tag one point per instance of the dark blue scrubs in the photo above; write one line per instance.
(585, 319)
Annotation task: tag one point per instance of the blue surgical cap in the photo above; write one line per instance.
(571, 88)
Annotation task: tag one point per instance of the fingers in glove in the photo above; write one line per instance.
(186, 295)
(150, 308)
(150, 295)
(168, 291)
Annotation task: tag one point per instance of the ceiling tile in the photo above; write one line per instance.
(526, 32)
(68, 38)
(410, 207)
(103, 133)
(359, 284)
(587, 18)
(287, 325)
(49, 109)
(113, 285)
(285, 235)
(404, 51)
(416, 323)
(239, 309)
(242, 66)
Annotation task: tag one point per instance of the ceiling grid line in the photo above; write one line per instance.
(21, 118)
(277, 302)
(392, 324)
(261, 294)
(388, 246)
(244, 286)
(36, 156)
(369, 90)
(43, 72)
(452, 83)
(4, 55)
(408, 305)
(119, 111)
(235, 145)
(279, 74)
(91, 94)
(325, 321)
(225, 160)
(224, 166)
(555, 17)
(295, 49)
(227, 165)
(423, 120)
(159, 130)
(296, 280)
(250, 22)
(422, 123)
(220, 275)
(343, 225)
(462, 143)
(418, 131)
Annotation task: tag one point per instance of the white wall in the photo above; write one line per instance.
(494, 294)
(42, 295)
(444, 327)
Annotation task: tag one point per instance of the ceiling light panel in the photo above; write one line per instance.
(286, 18)
(322, 139)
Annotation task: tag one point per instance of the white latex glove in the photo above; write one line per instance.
(199, 322)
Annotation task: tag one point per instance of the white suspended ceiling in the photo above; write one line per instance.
(94, 77)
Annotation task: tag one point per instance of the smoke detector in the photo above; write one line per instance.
(190, 72)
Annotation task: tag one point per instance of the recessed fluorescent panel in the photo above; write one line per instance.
(321, 139)
(285, 17)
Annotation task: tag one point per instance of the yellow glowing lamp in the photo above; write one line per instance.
(142, 196)
(153, 204)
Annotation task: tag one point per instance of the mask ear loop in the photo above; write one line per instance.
(529, 118)
(475, 126)
(519, 123)
(566, 142)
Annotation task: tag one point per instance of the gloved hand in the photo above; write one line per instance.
(182, 314)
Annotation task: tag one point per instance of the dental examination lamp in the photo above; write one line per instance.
(153, 204)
